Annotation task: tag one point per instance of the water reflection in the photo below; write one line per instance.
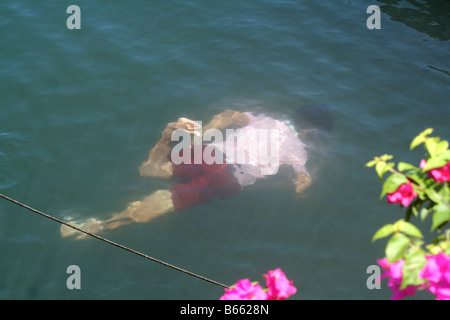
(431, 17)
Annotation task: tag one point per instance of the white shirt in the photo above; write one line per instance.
(261, 147)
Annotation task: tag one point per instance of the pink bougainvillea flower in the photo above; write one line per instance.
(403, 195)
(245, 290)
(279, 286)
(441, 174)
(393, 271)
(437, 273)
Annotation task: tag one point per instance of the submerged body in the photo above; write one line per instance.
(200, 182)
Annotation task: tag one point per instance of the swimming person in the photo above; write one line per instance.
(219, 169)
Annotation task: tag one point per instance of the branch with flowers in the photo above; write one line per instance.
(410, 263)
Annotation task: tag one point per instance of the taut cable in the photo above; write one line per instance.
(112, 242)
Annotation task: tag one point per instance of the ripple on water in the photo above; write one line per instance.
(13, 161)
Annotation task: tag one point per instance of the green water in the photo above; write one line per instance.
(80, 109)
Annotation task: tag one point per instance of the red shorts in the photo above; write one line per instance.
(199, 183)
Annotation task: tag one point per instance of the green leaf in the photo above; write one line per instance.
(424, 213)
(415, 211)
(416, 141)
(433, 195)
(384, 231)
(436, 147)
(403, 166)
(431, 145)
(414, 262)
(382, 167)
(386, 157)
(420, 138)
(433, 248)
(413, 208)
(420, 192)
(379, 168)
(371, 163)
(445, 192)
(441, 147)
(410, 229)
(392, 183)
(445, 155)
(445, 246)
(396, 247)
(440, 216)
(434, 163)
(426, 132)
(389, 165)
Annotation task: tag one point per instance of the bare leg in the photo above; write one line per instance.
(159, 203)
(143, 211)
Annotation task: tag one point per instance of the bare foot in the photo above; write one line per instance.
(91, 225)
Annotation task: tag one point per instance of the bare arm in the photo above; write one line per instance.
(158, 164)
(226, 119)
(302, 182)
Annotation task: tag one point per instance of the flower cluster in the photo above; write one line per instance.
(435, 275)
(439, 174)
(424, 191)
(393, 271)
(278, 287)
(405, 192)
(403, 195)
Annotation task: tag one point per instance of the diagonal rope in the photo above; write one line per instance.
(113, 243)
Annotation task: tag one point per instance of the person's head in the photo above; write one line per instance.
(313, 117)
(314, 125)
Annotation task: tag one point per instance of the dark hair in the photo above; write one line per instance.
(313, 117)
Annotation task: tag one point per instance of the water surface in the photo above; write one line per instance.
(80, 110)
